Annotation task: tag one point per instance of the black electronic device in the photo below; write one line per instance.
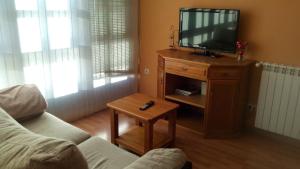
(209, 29)
(147, 105)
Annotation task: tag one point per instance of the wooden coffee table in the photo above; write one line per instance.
(143, 137)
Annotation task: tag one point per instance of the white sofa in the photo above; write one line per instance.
(32, 125)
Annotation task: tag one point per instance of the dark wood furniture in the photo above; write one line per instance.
(143, 138)
(220, 111)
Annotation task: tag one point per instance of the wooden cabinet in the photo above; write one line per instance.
(218, 113)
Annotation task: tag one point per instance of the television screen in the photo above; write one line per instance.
(211, 29)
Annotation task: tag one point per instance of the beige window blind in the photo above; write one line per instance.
(111, 47)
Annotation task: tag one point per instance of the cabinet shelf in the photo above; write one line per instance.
(193, 100)
(133, 140)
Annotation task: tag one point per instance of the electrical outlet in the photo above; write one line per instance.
(251, 108)
(146, 71)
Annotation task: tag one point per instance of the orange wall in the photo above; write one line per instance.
(271, 27)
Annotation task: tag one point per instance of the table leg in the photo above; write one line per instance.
(172, 127)
(114, 126)
(148, 127)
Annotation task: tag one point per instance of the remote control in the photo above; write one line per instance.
(147, 105)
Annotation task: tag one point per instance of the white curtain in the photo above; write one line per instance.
(80, 53)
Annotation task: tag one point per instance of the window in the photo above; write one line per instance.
(31, 23)
(111, 47)
(67, 45)
(45, 36)
(68, 48)
(28, 22)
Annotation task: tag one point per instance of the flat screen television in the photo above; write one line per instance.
(209, 29)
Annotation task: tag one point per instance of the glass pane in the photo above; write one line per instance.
(99, 51)
(57, 5)
(64, 78)
(84, 36)
(26, 4)
(119, 21)
(34, 74)
(120, 55)
(83, 5)
(29, 34)
(59, 29)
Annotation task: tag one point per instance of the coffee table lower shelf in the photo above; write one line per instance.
(134, 140)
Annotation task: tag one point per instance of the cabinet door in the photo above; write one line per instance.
(220, 117)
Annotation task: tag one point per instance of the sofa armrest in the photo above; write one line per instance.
(160, 159)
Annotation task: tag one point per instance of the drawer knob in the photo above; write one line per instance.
(184, 68)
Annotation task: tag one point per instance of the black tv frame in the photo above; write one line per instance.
(207, 52)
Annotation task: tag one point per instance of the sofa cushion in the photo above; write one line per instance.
(22, 101)
(22, 149)
(51, 126)
(160, 159)
(102, 154)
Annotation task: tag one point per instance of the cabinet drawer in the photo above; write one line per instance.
(190, 70)
(224, 73)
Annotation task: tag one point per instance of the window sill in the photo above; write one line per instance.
(111, 80)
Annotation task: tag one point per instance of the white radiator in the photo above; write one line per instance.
(278, 108)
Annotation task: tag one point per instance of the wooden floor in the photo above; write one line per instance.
(250, 151)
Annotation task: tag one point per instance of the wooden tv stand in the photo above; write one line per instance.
(219, 113)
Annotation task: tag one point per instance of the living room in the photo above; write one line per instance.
(121, 84)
